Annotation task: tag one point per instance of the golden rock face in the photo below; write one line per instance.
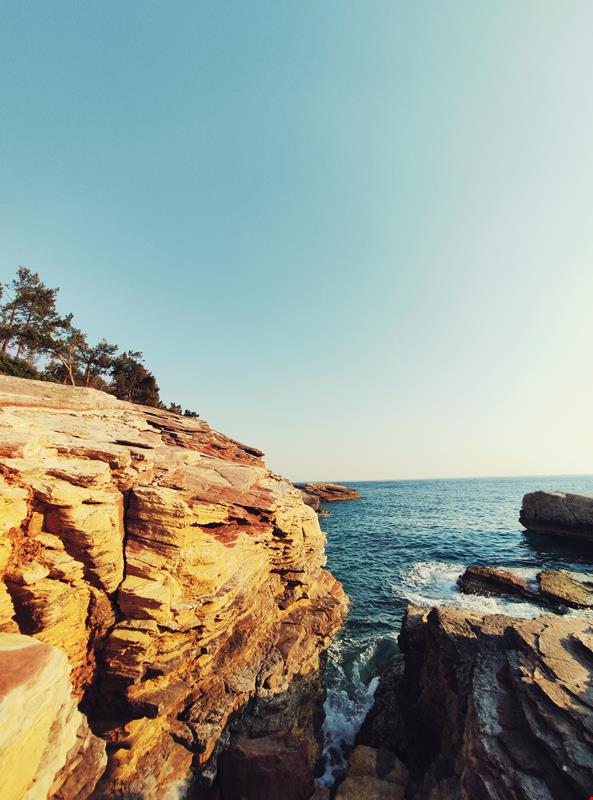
(180, 577)
(43, 736)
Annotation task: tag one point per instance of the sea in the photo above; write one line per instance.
(408, 542)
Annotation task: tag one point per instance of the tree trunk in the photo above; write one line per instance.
(6, 341)
(20, 347)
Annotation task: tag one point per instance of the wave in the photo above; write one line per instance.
(349, 699)
(434, 583)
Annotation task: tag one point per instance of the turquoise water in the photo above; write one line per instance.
(408, 541)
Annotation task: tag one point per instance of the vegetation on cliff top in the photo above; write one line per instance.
(36, 341)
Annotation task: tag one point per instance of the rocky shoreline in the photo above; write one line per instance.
(484, 706)
(488, 705)
(165, 612)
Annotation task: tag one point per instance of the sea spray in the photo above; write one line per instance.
(434, 583)
(349, 698)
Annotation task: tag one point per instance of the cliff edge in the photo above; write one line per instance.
(181, 578)
(483, 705)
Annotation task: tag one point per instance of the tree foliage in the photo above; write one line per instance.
(37, 342)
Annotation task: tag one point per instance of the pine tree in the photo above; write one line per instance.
(29, 316)
(132, 381)
(97, 361)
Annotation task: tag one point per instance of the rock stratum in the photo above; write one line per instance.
(316, 493)
(560, 513)
(158, 577)
(486, 706)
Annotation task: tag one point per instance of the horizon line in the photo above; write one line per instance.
(454, 478)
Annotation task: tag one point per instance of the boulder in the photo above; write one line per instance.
(559, 513)
(373, 774)
(494, 581)
(269, 768)
(558, 586)
(552, 587)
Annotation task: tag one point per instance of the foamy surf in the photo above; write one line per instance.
(348, 701)
(434, 583)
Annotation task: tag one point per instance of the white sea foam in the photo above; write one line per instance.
(434, 583)
(347, 704)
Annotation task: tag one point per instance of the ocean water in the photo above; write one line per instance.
(408, 541)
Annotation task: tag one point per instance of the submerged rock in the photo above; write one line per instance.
(494, 581)
(493, 706)
(560, 513)
(181, 578)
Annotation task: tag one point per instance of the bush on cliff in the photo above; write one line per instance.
(17, 367)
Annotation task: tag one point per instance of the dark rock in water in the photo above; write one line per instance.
(560, 513)
(556, 588)
(383, 722)
(494, 581)
(491, 706)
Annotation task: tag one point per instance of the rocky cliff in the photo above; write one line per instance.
(488, 706)
(183, 581)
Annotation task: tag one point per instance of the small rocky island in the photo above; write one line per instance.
(559, 513)
(316, 493)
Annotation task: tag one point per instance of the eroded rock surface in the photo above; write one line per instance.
(46, 747)
(181, 578)
(490, 706)
(373, 774)
(561, 513)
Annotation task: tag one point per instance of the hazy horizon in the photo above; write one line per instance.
(448, 478)
(358, 237)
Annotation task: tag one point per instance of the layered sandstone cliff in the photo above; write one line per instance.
(183, 580)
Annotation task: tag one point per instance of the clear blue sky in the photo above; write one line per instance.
(358, 235)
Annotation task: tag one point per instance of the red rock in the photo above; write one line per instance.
(269, 768)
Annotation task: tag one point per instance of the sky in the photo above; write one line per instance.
(357, 235)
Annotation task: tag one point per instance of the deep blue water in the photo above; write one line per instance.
(409, 541)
